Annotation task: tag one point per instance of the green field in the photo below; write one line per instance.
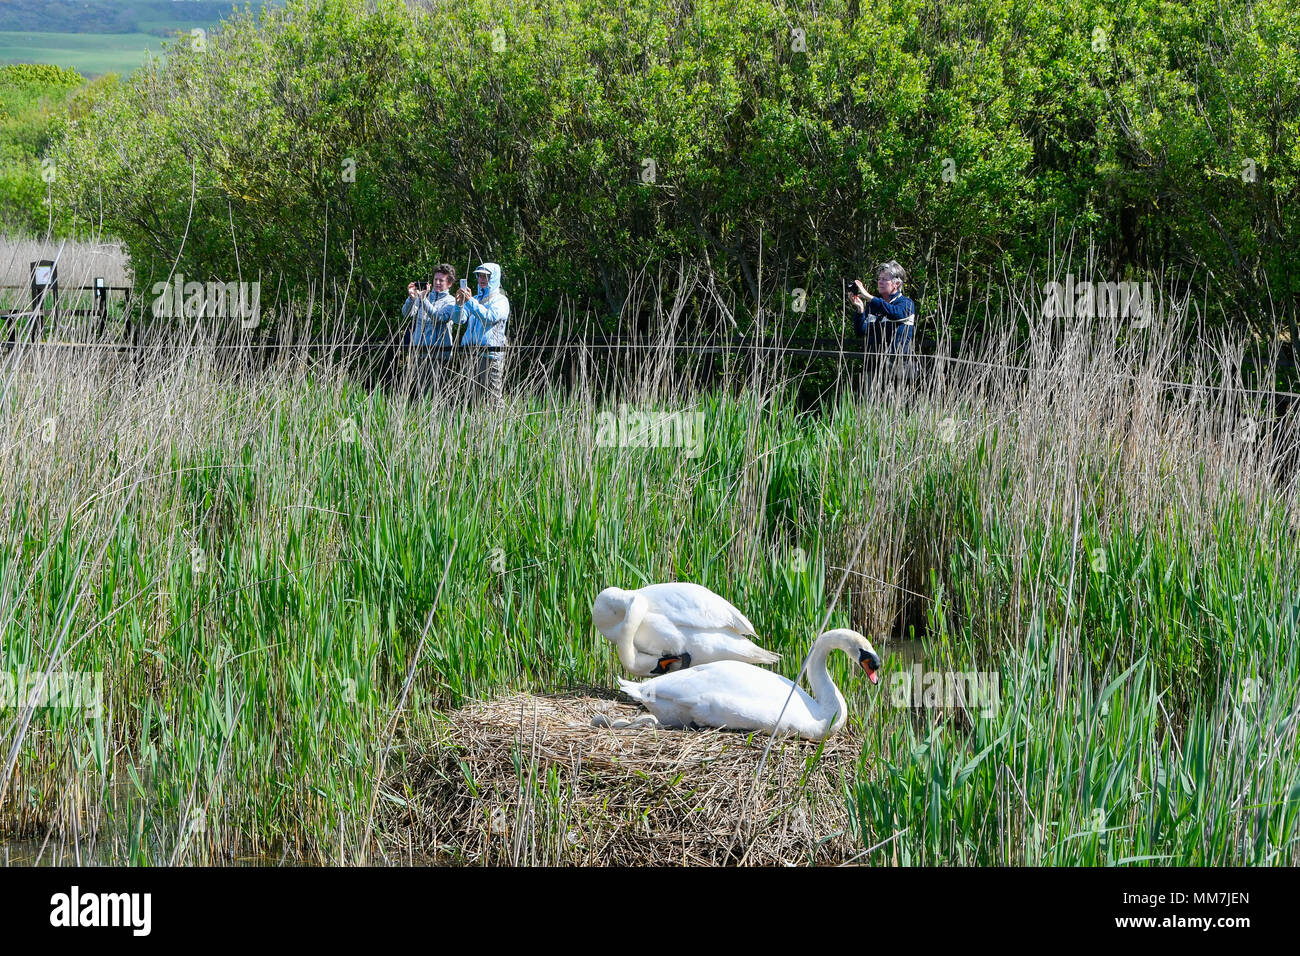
(87, 53)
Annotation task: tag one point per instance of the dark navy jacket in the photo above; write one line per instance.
(898, 309)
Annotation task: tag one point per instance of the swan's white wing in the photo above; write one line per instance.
(727, 694)
(695, 606)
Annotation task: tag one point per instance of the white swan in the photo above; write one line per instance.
(736, 696)
(666, 627)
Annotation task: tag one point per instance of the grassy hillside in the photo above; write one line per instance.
(91, 54)
(96, 37)
(155, 17)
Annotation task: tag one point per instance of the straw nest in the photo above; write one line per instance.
(529, 780)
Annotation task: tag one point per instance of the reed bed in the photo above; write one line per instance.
(293, 584)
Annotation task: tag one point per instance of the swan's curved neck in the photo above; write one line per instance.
(830, 702)
(636, 611)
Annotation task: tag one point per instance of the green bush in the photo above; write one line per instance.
(31, 96)
(982, 134)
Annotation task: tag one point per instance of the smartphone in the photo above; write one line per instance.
(464, 284)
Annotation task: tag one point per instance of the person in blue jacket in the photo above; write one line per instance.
(435, 312)
(485, 315)
(888, 319)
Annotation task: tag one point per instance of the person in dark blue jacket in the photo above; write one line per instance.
(886, 321)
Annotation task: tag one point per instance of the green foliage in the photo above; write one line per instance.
(979, 132)
(31, 97)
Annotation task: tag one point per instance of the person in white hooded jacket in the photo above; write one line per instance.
(485, 315)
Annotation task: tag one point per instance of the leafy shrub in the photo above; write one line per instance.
(979, 133)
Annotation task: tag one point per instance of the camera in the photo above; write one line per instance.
(421, 285)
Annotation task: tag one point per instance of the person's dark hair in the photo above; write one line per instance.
(446, 269)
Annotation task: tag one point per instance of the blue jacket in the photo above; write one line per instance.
(433, 320)
(487, 313)
(899, 309)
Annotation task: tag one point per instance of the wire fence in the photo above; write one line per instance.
(802, 348)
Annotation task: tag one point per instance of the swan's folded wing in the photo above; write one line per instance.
(728, 694)
(695, 606)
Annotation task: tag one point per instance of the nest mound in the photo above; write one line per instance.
(529, 780)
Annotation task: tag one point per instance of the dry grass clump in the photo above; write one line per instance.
(529, 780)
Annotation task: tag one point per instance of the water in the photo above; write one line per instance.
(901, 655)
(38, 852)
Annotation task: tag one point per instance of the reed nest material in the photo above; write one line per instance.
(528, 779)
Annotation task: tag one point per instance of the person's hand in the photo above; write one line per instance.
(410, 290)
(859, 304)
(862, 290)
(463, 296)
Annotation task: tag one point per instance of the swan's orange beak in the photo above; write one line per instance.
(665, 665)
(870, 663)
